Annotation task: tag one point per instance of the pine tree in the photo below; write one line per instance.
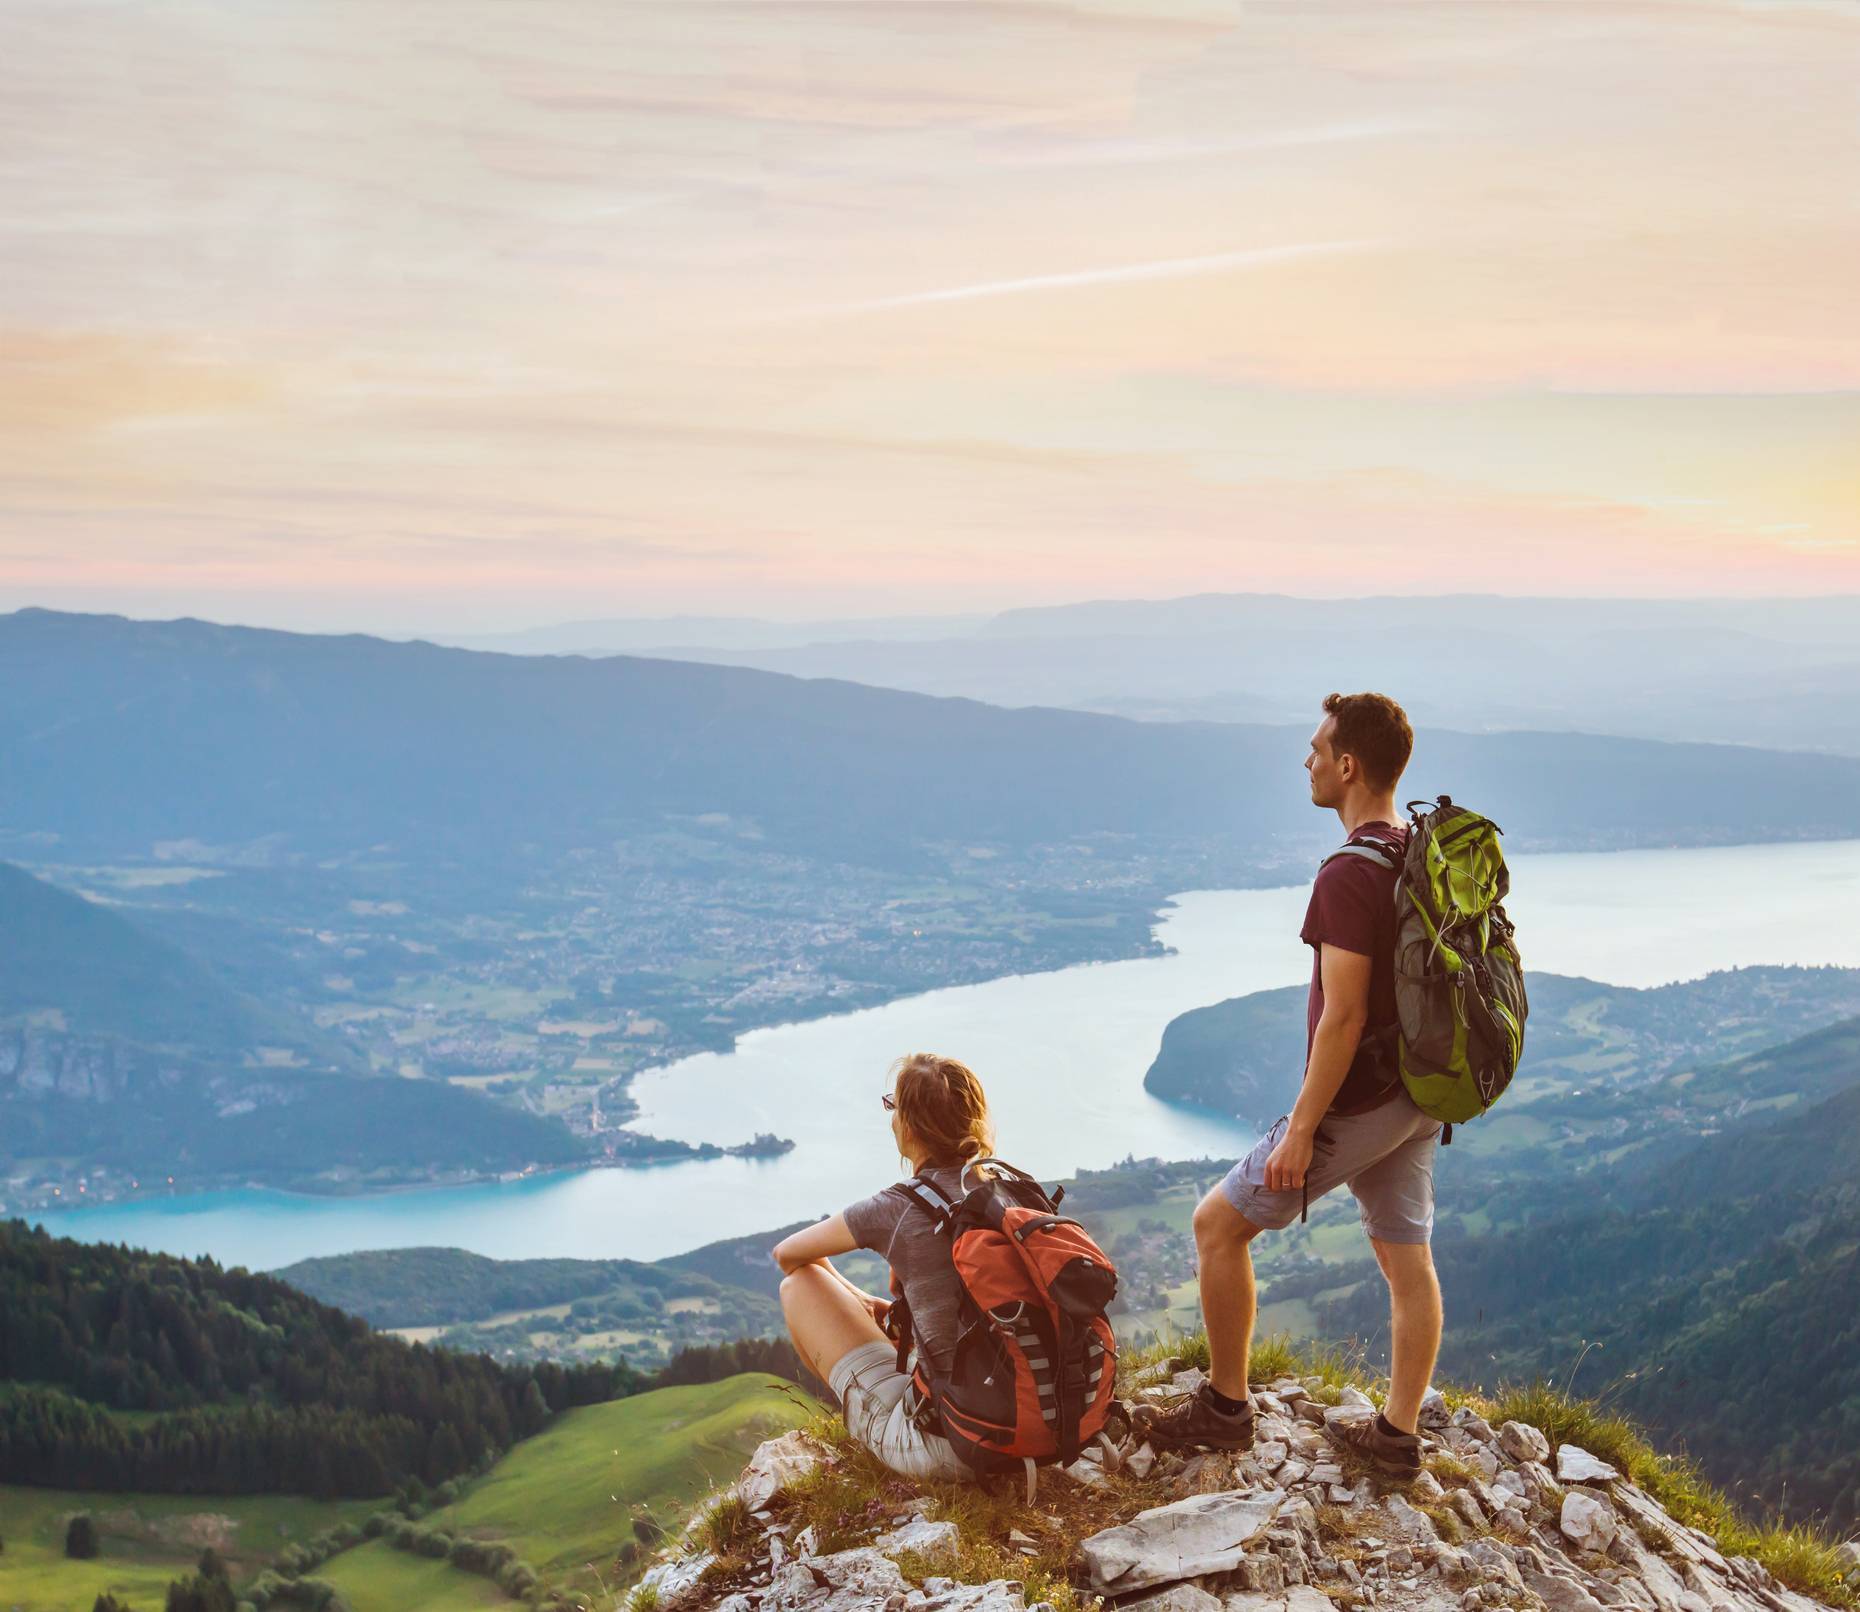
(81, 1537)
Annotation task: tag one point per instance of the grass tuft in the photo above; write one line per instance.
(1452, 1472)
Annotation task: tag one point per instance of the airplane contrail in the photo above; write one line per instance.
(1161, 269)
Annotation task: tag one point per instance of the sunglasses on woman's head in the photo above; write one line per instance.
(888, 1100)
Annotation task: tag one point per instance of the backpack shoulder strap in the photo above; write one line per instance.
(926, 1195)
(1368, 852)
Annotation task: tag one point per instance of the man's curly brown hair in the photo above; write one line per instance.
(1375, 730)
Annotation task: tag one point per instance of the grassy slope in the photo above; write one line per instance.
(377, 1578)
(566, 1498)
(147, 1540)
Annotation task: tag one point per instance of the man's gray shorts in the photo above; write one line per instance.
(1385, 1157)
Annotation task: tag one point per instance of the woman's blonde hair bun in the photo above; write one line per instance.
(941, 1104)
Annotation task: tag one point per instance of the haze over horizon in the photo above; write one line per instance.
(470, 318)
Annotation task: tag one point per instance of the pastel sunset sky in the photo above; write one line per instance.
(468, 314)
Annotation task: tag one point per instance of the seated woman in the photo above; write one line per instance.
(939, 1119)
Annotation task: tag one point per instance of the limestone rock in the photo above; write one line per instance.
(1512, 1521)
(1434, 1412)
(777, 1463)
(945, 1595)
(1847, 1558)
(1522, 1442)
(1087, 1472)
(1139, 1461)
(1175, 1598)
(847, 1581)
(1470, 1421)
(1561, 1594)
(1262, 1573)
(1354, 1396)
(938, 1543)
(676, 1581)
(1406, 1523)
(1575, 1465)
(1202, 1534)
(1347, 1414)
(1426, 1487)
(1302, 1598)
(1586, 1521)
(1465, 1505)
(1494, 1565)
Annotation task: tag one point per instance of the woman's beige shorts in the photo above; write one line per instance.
(874, 1395)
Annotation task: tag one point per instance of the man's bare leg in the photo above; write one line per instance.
(1414, 1326)
(1228, 1303)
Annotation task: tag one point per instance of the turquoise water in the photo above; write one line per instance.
(1062, 1054)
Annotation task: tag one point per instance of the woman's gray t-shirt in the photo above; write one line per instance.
(906, 1238)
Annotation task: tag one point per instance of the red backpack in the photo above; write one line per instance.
(1034, 1365)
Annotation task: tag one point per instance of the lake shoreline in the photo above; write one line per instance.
(1634, 918)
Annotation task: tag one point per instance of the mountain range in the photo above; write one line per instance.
(138, 739)
(1782, 673)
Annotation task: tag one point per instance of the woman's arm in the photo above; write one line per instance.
(812, 1245)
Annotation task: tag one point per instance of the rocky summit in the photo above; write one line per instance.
(1500, 1517)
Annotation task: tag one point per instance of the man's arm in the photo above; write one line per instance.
(1345, 977)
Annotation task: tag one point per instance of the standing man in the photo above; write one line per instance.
(1353, 1123)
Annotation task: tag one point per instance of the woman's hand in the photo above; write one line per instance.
(880, 1308)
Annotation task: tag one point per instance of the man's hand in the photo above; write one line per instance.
(1285, 1169)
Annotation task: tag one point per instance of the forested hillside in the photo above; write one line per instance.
(1246, 1056)
(245, 1385)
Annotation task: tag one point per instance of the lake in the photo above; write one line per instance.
(1062, 1054)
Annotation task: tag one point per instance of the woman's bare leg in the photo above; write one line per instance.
(824, 1317)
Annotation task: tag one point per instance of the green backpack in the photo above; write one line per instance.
(1459, 986)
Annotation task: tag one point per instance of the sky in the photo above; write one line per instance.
(475, 314)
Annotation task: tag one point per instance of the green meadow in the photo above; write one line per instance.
(567, 1498)
(378, 1578)
(146, 1540)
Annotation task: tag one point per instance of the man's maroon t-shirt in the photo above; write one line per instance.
(1353, 908)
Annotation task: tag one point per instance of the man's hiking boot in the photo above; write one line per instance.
(1398, 1454)
(1193, 1422)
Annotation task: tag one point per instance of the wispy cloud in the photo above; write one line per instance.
(1175, 268)
(1095, 153)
